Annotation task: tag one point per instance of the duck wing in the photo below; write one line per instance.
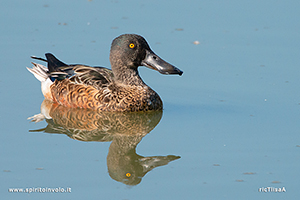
(77, 85)
(97, 77)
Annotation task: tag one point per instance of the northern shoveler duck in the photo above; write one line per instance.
(99, 88)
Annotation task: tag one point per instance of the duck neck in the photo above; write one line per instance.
(130, 76)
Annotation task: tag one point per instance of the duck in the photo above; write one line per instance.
(119, 89)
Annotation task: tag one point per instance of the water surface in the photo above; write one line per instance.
(232, 117)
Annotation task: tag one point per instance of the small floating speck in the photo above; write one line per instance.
(196, 42)
(275, 182)
(6, 170)
(249, 173)
(297, 145)
(114, 27)
(239, 180)
(178, 29)
(46, 6)
(217, 165)
(39, 168)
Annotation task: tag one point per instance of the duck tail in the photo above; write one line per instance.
(53, 63)
(42, 74)
(39, 71)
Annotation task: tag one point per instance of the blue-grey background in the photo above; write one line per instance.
(233, 116)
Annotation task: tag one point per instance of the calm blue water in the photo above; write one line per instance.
(232, 117)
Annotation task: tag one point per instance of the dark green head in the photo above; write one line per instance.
(131, 51)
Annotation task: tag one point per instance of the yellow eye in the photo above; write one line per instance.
(128, 174)
(131, 45)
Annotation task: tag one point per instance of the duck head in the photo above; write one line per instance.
(129, 51)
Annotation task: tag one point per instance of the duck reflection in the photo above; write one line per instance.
(125, 130)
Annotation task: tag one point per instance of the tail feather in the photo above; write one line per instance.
(48, 75)
(39, 71)
(42, 74)
(38, 58)
(53, 63)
